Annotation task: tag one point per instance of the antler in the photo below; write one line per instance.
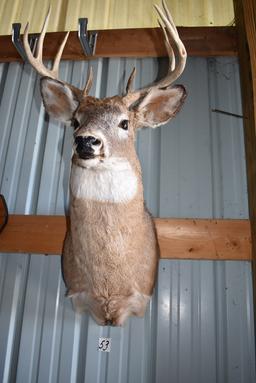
(178, 48)
(37, 60)
(176, 52)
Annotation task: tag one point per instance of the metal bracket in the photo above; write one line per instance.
(18, 43)
(87, 40)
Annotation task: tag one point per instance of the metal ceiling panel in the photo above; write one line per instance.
(111, 14)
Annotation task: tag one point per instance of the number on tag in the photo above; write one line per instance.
(104, 344)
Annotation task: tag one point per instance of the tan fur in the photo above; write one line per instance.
(110, 253)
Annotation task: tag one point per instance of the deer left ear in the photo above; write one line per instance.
(60, 100)
(160, 105)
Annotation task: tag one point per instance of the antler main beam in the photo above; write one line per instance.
(37, 60)
(176, 52)
(175, 48)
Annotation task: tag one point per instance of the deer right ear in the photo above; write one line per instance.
(59, 99)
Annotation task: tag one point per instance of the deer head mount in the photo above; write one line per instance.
(110, 253)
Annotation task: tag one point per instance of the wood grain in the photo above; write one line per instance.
(204, 239)
(245, 12)
(143, 42)
(178, 238)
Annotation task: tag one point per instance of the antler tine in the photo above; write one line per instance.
(33, 61)
(37, 60)
(39, 45)
(56, 63)
(168, 15)
(176, 52)
(168, 46)
(168, 26)
(130, 81)
(89, 81)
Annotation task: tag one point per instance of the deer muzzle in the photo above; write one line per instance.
(87, 147)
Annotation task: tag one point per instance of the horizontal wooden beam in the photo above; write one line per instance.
(178, 238)
(222, 239)
(144, 42)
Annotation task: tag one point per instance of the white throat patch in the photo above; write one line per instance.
(112, 181)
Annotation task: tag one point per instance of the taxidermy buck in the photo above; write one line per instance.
(110, 254)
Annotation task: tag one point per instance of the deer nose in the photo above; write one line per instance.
(87, 146)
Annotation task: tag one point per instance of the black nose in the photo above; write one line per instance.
(87, 141)
(85, 146)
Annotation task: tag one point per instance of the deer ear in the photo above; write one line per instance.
(160, 105)
(59, 99)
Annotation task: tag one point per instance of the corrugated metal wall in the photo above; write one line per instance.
(111, 14)
(199, 326)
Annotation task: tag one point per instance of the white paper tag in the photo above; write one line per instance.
(104, 344)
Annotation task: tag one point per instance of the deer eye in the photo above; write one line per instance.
(124, 124)
(75, 123)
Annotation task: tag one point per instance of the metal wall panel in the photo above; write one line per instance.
(199, 325)
(111, 14)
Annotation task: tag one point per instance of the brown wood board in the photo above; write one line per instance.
(245, 12)
(143, 42)
(178, 238)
